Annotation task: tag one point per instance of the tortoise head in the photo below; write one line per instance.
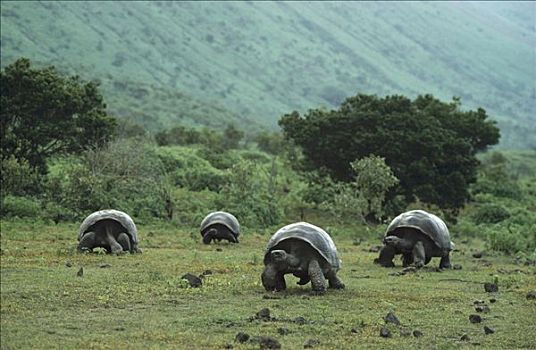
(398, 243)
(279, 257)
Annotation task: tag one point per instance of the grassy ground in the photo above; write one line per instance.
(140, 301)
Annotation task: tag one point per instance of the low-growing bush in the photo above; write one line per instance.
(490, 213)
(22, 207)
(511, 238)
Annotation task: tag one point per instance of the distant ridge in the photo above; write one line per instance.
(247, 63)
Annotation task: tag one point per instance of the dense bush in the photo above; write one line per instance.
(511, 238)
(490, 214)
(17, 177)
(125, 175)
(250, 194)
(187, 169)
(21, 207)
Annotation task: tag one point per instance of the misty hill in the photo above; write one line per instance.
(210, 63)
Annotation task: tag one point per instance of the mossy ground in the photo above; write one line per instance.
(140, 301)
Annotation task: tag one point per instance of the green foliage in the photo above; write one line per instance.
(427, 143)
(249, 194)
(15, 206)
(187, 169)
(374, 178)
(512, 239)
(490, 214)
(270, 142)
(45, 114)
(17, 177)
(362, 198)
(126, 175)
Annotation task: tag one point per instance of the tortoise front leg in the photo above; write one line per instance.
(445, 262)
(273, 279)
(419, 254)
(88, 242)
(334, 281)
(407, 259)
(209, 236)
(387, 254)
(318, 281)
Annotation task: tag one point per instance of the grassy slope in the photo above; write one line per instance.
(254, 61)
(140, 301)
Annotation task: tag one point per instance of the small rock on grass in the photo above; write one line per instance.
(531, 295)
(103, 266)
(80, 272)
(193, 280)
(68, 264)
(482, 308)
(465, 337)
(385, 333)
(269, 343)
(475, 318)
(477, 255)
(300, 320)
(310, 343)
(491, 287)
(456, 267)
(391, 318)
(283, 331)
(417, 333)
(492, 300)
(488, 330)
(263, 315)
(241, 337)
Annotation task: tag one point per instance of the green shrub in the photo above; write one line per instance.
(18, 178)
(125, 175)
(250, 194)
(490, 213)
(512, 238)
(187, 169)
(22, 207)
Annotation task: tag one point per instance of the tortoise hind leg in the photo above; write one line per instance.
(317, 277)
(334, 281)
(228, 235)
(419, 254)
(124, 241)
(445, 262)
(88, 242)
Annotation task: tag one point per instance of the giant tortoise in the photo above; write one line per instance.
(418, 236)
(110, 229)
(306, 251)
(220, 225)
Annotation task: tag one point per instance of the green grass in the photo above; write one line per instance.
(141, 302)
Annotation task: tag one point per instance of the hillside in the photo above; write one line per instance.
(209, 63)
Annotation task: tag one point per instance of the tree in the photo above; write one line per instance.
(430, 145)
(231, 137)
(44, 114)
(364, 196)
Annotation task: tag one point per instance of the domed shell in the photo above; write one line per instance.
(223, 218)
(427, 223)
(317, 238)
(123, 218)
